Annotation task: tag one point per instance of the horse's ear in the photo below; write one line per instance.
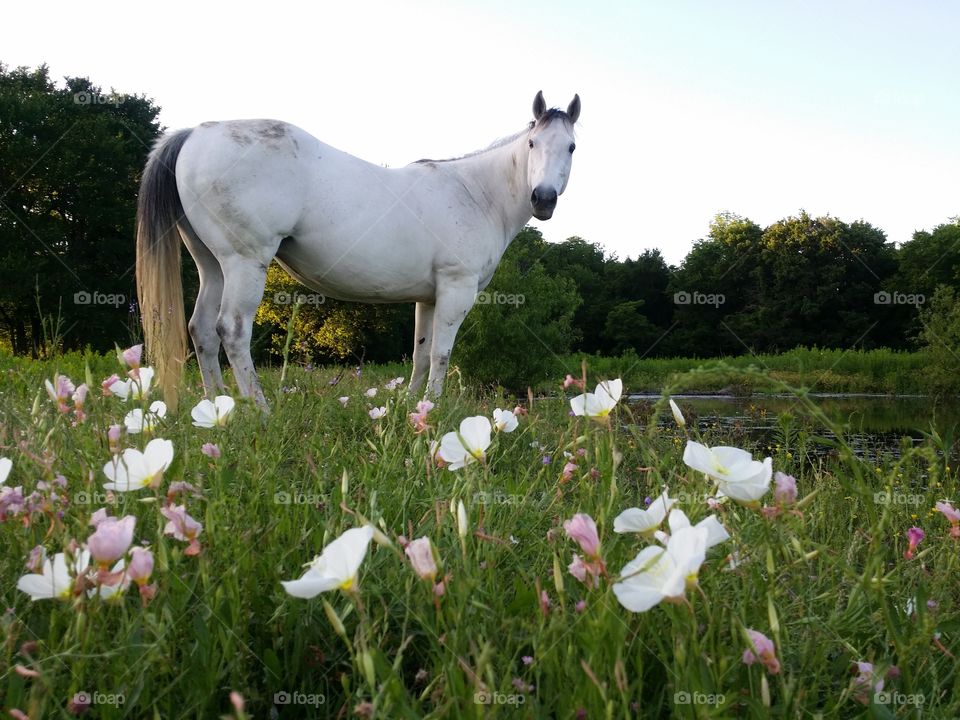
(539, 105)
(573, 109)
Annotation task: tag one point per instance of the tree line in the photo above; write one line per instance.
(70, 159)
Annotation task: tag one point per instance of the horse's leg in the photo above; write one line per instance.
(455, 297)
(422, 342)
(243, 282)
(203, 322)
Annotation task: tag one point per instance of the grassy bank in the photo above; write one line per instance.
(514, 634)
(829, 371)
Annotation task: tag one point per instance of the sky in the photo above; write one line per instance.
(688, 108)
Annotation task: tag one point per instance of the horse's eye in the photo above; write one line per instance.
(531, 144)
(573, 146)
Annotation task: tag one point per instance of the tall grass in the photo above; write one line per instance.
(514, 635)
(829, 371)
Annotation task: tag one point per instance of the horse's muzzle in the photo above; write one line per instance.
(544, 200)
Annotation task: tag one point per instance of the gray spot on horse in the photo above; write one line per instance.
(421, 341)
(272, 131)
(209, 124)
(239, 137)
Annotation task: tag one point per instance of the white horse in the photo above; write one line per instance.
(243, 192)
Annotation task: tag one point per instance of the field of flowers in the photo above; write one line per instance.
(362, 553)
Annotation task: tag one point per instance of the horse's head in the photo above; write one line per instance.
(551, 147)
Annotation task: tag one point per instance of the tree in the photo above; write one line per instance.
(583, 263)
(716, 282)
(940, 337)
(816, 284)
(627, 328)
(521, 326)
(70, 159)
(326, 329)
(645, 279)
(930, 259)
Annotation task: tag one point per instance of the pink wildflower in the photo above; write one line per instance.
(914, 535)
(111, 539)
(953, 515)
(182, 527)
(419, 418)
(582, 529)
(420, 553)
(785, 491)
(132, 355)
(762, 651)
(105, 385)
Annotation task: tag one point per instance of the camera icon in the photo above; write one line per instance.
(882, 298)
(82, 698)
(82, 297)
(81, 498)
(681, 298)
(681, 698)
(882, 698)
(483, 298)
(83, 98)
(881, 498)
(282, 498)
(281, 698)
(482, 698)
(281, 298)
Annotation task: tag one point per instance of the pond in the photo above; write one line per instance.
(875, 424)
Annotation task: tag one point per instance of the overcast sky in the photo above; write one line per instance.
(689, 108)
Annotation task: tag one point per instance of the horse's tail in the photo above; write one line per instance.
(159, 286)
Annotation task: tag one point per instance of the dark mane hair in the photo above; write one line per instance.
(549, 116)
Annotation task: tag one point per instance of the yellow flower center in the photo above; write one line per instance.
(347, 585)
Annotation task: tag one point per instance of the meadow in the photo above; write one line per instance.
(858, 613)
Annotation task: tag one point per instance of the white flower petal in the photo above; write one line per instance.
(643, 579)
(579, 404)
(335, 567)
(716, 533)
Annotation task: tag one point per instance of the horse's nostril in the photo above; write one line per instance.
(541, 198)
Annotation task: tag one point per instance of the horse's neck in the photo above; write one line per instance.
(497, 180)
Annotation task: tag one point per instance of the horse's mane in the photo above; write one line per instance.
(545, 119)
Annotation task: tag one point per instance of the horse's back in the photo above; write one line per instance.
(346, 227)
